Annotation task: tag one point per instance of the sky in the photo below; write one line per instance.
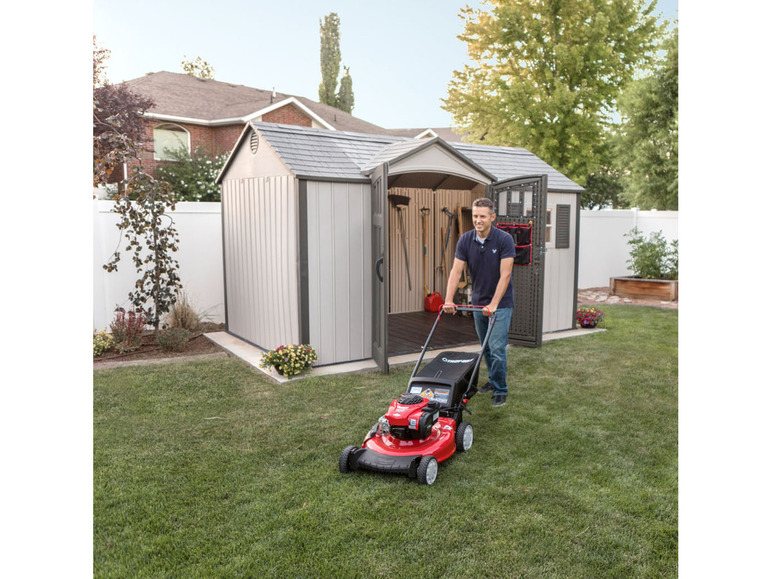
(401, 53)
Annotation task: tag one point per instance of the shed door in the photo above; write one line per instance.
(524, 201)
(380, 252)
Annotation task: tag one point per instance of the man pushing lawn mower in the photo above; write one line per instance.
(490, 254)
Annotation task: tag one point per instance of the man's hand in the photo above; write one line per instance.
(489, 310)
(449, 308)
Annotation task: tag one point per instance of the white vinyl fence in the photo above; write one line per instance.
(603, 253)
(603, 249)
(200, 257)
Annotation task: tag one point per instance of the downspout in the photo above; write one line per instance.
(576, 259)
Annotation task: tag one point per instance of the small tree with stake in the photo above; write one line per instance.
(142, 202)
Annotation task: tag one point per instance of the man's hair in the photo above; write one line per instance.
(484, 202)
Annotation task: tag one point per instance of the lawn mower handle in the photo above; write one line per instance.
(491, 320)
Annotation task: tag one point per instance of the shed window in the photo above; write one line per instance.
(168, 139)
(562, 226)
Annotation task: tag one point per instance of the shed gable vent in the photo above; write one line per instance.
(254, 142)
(562, 226)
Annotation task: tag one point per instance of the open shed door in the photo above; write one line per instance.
(523, 201)
(380, 253)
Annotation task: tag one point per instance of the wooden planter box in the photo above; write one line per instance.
(634, 287)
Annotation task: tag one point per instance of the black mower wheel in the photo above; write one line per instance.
(343, 462)
(427, 470)
(464, 437)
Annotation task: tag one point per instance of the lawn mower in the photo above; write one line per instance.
(424, 426)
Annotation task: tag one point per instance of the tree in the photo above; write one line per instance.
(647, 144)
(329, 30)
(344, 100)
(197, 67)
(604, 188)
(142, 202)
(546, 74)
(117, 125)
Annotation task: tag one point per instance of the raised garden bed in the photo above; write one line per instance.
(635, 287)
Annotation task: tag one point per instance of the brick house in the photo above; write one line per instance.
(211, 114)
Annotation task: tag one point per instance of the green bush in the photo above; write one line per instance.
(192, 175)
(652, 258)
(173, 339)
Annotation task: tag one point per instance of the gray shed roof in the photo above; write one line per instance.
(346, 156)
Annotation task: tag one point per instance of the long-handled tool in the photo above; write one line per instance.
(447, 235)
(401, 202)
(425, 231)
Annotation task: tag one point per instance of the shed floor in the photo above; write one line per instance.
(408, 332)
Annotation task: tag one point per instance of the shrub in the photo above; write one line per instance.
(192, 175)
(182, 315)
(102, 342)
(652, 258)
(289, 360)
(173, 339)
(127, 329)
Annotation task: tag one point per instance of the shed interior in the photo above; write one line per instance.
(421, 256)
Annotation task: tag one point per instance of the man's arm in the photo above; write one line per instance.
(453, 279)
(505, 273)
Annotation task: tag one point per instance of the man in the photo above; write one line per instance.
(490, 254)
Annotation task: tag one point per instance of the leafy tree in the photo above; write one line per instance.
(329, 30)
(604, 188)
(117, 124)
(197, 67)
(546, 73)
(143, 201)
(647, 144)
(192, 175)
(344, 100)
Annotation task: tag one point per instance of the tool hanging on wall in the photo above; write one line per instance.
(444, 233)
(464, 275)
(401, 202)
(425, 231)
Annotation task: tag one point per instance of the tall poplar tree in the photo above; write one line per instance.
(329, 30)
(330, 61)
(546, 73)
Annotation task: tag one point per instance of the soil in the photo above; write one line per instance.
(149, 351)
(200, 346)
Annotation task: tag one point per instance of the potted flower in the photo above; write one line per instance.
(289, 360)
(589, 317)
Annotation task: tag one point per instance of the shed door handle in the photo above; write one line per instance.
(378, 264)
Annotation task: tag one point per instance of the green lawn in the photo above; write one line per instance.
(209, 469)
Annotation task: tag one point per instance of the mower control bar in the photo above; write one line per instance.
(491, 321)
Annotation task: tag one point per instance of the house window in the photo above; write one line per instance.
(168, 139)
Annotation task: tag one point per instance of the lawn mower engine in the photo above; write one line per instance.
(410, 417)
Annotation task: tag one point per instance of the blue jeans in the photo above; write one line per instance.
(495, 351)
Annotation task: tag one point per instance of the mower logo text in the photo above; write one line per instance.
(457, 361)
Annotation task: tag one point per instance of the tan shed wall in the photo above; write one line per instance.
(260, 239)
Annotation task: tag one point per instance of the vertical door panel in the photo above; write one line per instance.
(380, 261)
(524, 201)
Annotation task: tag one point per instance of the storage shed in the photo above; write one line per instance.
(334, 238)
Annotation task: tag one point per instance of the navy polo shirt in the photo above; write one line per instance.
(484, 261)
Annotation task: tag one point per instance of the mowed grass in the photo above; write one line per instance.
(209, 469)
